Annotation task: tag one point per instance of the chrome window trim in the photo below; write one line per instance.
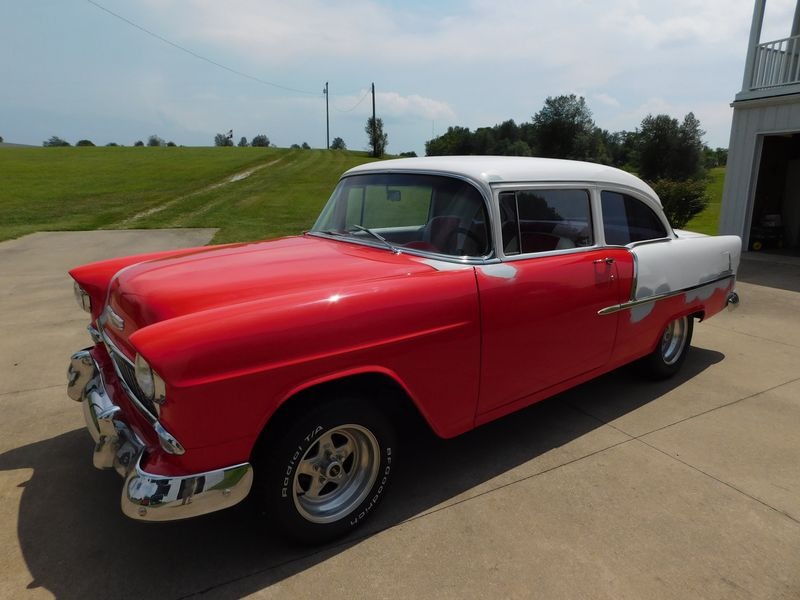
(497, 189)
(609, 310)
(548, 253)
(649, 202)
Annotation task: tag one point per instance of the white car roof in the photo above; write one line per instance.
(511, 169)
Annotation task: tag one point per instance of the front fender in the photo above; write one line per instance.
(228, 369)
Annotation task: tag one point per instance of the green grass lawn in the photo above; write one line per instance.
(708, 220)
(62, 189)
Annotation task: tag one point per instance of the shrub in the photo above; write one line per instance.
(411, 154)
(171, 144)
(223, 139)
(305, 146)
(261, 141)
(338, 144)
(139, 143)
(681, 200)
(242, 142)
(84, 143)
(154, 141)
(55, 142)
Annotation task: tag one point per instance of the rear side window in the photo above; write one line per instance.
(627, 219)
(544, 220)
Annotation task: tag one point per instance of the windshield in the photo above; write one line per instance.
(431, 213)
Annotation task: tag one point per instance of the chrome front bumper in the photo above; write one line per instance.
(146, 496)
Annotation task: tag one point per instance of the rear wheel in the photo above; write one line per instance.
(670, 352)
(326, 472)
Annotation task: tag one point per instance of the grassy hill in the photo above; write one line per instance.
(249, 193)
(708, 220)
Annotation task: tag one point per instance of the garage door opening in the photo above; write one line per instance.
(775, 224)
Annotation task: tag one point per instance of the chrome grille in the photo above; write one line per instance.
(127, 375)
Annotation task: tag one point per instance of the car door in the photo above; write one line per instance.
(539, 306)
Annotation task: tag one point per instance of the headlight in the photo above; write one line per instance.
(149, 382)
(83, 299)
(144, 377)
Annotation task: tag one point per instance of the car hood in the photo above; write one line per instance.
(156, 290)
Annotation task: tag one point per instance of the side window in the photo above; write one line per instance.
(626, 220)
(544, 220)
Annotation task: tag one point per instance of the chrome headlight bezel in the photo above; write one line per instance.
(149, 382)
(81, 297)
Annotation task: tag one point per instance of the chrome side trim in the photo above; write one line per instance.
(632, 303)
(148, 497)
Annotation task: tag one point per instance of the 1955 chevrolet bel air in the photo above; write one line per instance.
(457, 288)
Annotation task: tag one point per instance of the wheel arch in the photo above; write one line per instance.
(397, 401)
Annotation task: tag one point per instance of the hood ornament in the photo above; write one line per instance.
(117, 321)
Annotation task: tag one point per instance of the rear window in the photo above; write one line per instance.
(627, 219)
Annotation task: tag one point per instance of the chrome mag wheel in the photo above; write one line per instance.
(673, 341)
(336, 473)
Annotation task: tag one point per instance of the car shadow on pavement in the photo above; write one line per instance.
(77, 544)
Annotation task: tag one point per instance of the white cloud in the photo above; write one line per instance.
(606, 99)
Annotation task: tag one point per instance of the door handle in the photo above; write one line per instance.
(608, 261)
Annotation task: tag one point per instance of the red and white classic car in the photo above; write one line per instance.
(458, 288)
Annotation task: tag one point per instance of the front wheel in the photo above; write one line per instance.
(326, 474)
(670, 352)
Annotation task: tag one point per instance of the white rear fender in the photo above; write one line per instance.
(684, 263)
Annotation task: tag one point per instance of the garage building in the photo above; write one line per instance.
(761, 198)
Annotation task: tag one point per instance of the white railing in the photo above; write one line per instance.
(777, 63)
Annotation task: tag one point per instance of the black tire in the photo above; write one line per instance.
(325, 471)
(670, 352)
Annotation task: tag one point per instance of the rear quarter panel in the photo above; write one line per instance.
(703, 266)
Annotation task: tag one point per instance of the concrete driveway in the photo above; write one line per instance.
(621, 488)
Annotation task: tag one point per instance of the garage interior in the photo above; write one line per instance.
(775, 222)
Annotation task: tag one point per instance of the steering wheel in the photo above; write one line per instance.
(451, 240)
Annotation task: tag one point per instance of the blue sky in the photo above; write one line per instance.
(70, 69)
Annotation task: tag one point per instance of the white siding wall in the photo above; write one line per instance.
(751, 121)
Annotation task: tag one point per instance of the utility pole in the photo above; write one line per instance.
(327, 119)
(374, 139)
(373, 102)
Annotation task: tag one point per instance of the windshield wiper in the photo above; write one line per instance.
(378, 237)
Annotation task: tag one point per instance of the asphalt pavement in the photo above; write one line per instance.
(620, 488)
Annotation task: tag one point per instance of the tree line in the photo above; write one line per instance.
(667, 153)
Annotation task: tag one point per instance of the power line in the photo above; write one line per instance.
(196, 55)
(352, 108)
